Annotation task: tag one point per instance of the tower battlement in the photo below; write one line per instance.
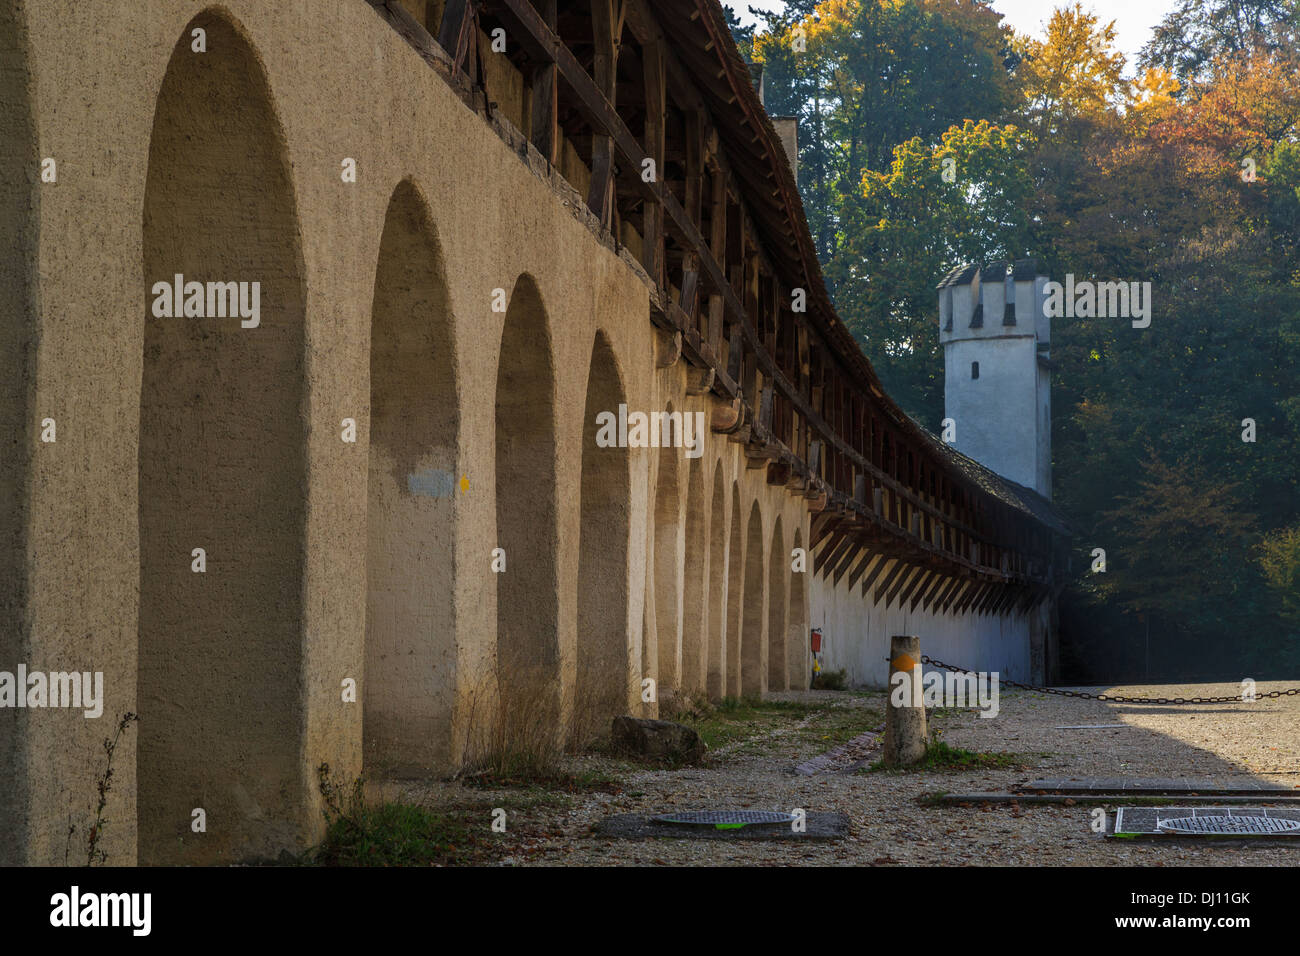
(994, 300)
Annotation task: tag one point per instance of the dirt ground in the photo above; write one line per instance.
(889, 823)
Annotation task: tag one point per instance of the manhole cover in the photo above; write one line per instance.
(1228, 824)
(726, 819)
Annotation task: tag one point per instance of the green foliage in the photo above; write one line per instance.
(734, 719)
(95, 853)
(743, 35)
(1282, 172)
(1196, 32)
(1280, 561)
(358, 834)
(912, 225)
(871, 74)
(400, 835)
(1058, 156)
(831, 680)
(1186, 537)
(939, 756)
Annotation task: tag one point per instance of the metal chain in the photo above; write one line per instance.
(1115, 697)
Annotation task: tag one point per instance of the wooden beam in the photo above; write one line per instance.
(704, 384)
(652, 64)
(592, 102)
(668, 349)
(727, 417)
(718, 248)
(846, 547)
(455, 31)
(822, 524)
(849, 559)
(545, 131)
(606, 28)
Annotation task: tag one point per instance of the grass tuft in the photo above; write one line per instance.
(395, 834)
(942, 757)
(831, 680)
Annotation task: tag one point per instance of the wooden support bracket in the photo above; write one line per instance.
(727, 416)
(668, 349)
(704, 384)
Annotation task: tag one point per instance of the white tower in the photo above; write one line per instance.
(995, 339)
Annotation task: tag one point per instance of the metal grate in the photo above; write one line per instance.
(726, 818)
(1228, 824)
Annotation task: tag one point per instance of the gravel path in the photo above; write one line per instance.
(889, 826)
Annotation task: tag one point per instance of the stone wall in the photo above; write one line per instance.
(325, 560)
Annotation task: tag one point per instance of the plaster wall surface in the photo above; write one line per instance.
(455, 306)
(856, 633)
(996, 415)
(82, 84)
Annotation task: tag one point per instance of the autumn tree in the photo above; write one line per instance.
(865, 75)
(1197, 32)
(1185, 544)
(963, 199)
(932, 136)
(1279, 558)
(1073, 74)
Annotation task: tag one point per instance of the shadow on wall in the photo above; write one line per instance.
(735, 604)
(221, 467)
(694, 596)
(19, 214)
(777, 673)
(604, 662)
(752, 677)
(716, 665)
(660, 656)
(410, 522)
(527, 592)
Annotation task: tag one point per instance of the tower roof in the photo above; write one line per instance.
(1022, 270)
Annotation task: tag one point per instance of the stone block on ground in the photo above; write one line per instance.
(660, 740)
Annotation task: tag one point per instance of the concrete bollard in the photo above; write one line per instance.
(905, 720)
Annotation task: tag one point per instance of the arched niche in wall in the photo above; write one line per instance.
(604, 673)
(411, 494)
(778, 566)
(222, 466)
(527, 592)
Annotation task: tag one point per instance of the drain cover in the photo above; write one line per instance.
(1229, 824)
(1140, 823)
(726, 819)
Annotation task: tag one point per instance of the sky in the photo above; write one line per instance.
(1133, 18)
